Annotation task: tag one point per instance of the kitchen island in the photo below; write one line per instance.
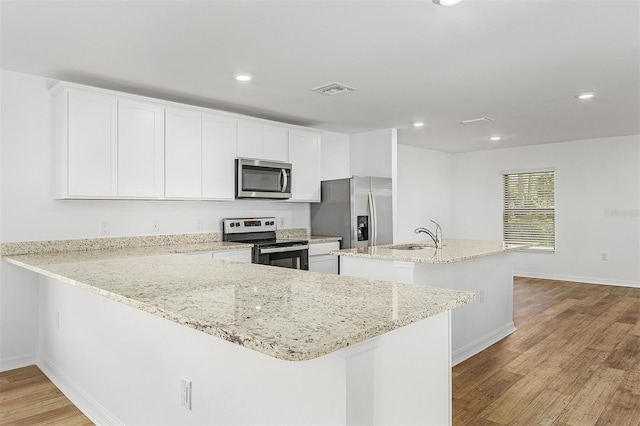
(120, 328)
(483, 267)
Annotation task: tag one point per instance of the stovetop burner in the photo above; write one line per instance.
(257, 231)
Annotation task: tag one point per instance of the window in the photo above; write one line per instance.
(529, 208)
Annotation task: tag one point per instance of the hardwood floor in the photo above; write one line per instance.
(28, 397)
(574, 360)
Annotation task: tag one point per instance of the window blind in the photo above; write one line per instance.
(529, 208)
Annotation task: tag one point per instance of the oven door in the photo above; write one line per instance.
(262, 179)
(295, 257)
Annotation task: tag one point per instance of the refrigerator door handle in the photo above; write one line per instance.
(374, 220)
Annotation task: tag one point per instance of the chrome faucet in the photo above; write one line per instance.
(437, 237)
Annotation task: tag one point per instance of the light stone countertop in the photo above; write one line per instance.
(453, 250)
(285, 313)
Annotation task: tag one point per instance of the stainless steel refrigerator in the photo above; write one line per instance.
(358, 209)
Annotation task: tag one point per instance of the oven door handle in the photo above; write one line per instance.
(282, 249)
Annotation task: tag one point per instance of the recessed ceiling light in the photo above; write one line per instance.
(446, 2)
(418, 124)
(243, 76)
(495, 138)
(585, 95)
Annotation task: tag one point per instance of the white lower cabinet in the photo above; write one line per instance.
(238, 255)
(320, 260)
(242, 255)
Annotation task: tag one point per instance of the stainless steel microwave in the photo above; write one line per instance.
(262, 179)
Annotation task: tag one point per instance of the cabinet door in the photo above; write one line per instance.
(241, 255)
(204, 254)
(304, 156)
(275, 143)
(92, 168)
(183, 153)
(325, 263)
(249, 139)
(140, 149)
(218, 155)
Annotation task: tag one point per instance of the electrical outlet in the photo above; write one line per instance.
(105, 228)
(604, 256)
(481, 296)
(185, 393)
(198, 225)
(156, 226)
(281, 222)
(58, 320)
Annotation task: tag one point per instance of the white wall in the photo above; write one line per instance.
(372, 153)
(335, 156)
(423, 192)
(29, 211)
(597, 205)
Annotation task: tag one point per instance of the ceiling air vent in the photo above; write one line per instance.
(477, 120)
(333, 89)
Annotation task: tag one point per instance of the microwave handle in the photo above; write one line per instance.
(284, 179)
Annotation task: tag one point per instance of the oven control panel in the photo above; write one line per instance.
(245, 225)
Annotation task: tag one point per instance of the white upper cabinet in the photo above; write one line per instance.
(304, 155)
(116, 145)
(200, 149)
(249, 139)
(140, 149)
(92, 143)
(218, 157)
(264, 142)
(106, 146)
(275, 143)
(183, 153)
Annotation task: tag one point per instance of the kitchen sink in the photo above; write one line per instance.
(412, 246)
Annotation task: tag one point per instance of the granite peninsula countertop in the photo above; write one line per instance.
(285, 313)
(453, 250)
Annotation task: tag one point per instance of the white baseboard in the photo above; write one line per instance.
(85, 403)
(586, 280)
(481, 344)
(12, 363)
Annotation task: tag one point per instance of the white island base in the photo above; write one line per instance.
(121, 365)
(475, 326)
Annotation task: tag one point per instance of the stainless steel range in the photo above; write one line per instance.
(267, 250)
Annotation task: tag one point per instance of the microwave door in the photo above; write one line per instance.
(264, 182)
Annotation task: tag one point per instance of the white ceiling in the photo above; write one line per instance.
(519, 62)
